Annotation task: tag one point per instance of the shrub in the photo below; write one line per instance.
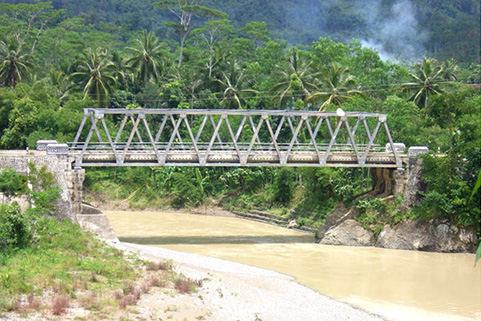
(60, 304)
(12, 183)
(284, 182)
(186, 285)
(185, 192)
(365, 204)
(157, 282)
(16, 227)
(158, 266)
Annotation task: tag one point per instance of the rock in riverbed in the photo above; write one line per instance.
(427, 236)
(349, 233)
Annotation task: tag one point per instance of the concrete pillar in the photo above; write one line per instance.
(400, 178)
(76, 178)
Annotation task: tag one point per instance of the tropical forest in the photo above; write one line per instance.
(418, 62)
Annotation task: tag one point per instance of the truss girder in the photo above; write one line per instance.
(203, 137)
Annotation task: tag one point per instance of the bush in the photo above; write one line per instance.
(12, 183)
(448, 191)
(185, 192)
(284, 183)
(365, 204)
(44, 191)
(16, 228)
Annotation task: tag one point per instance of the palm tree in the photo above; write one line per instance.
(146, 59)
(429, 78)
(122, 74)
(233, 84)
(14, 62)
(61, 84)
(296, 79)
(95, 73)
(450, 70)
(336, 86)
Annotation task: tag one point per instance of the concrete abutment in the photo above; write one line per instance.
(59, 165)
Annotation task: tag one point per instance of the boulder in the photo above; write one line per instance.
(436, 236)
(292, 224)
(411, 235)
(348, 233)
(339, 215)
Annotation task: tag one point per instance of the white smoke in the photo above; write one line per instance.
(394, 34)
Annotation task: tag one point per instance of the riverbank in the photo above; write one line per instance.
(344, 227)
(233, 291)
(399, 285)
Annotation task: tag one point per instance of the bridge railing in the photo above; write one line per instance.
(199, 137)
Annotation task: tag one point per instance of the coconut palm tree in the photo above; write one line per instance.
(61, 85)
(146, 59)
(336, 85)
(295, 79)
(96, 75)
(234, 85)
(122, 74)
(429, 78)
(15, 63)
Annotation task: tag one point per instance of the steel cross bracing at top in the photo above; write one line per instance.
(204, 137)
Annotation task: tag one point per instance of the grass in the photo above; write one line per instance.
(66, 267)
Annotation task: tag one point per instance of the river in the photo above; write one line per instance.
(400, 285)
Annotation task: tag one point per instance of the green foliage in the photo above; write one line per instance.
(41, 179)
(65, 260)
(44, 192)
(284, 183)
(15, 62)
(95, 75)
(185, 192)
(47, 75)
(366, 204)
(12, 183)
(447, 193)
(22, 121)
(247, 179)
(17, 228)
(146, 58)
(375, 213)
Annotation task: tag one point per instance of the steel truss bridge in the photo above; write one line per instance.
(203, 137)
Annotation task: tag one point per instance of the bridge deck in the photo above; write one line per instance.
(225, 158)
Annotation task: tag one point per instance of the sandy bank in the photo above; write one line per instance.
(233, 291)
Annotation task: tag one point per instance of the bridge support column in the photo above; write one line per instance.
(388, 181)
(414, 182)
(75, 179)
(382, 182)
(406, 181)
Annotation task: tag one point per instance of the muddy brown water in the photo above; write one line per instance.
(400, 285)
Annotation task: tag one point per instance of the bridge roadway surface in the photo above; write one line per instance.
(204, 137)
(222, 157)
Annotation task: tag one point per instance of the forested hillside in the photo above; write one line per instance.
(59, 57)
(399, 29)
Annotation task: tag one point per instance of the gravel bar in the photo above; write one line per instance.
(234, 291)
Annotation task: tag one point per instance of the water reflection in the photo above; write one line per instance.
(178, 240)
